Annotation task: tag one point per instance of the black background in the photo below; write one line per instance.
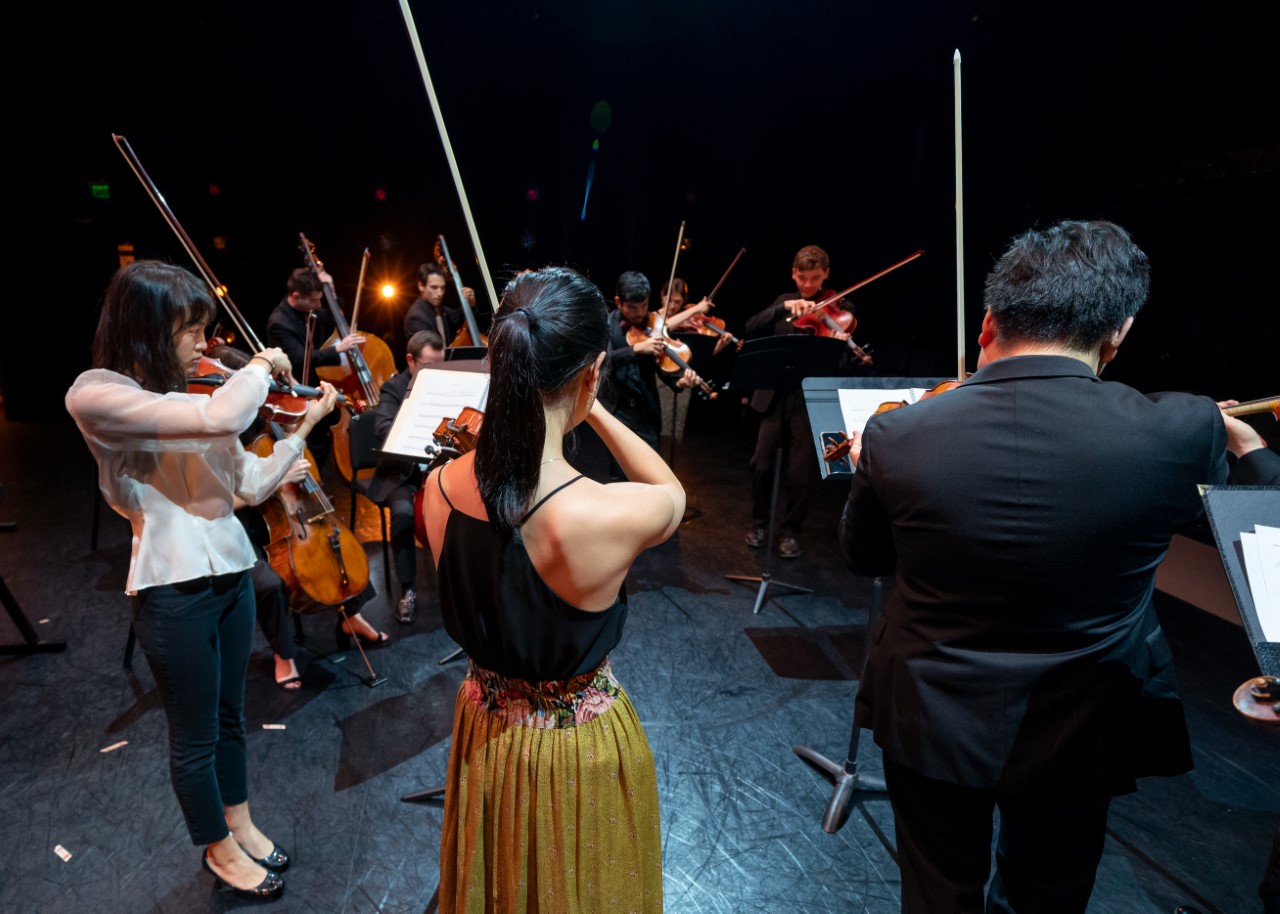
(760, 125)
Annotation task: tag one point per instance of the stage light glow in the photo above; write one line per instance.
(388, 290)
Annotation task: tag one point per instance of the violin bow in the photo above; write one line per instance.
(206, 272)
(453, 162)
(960, 360)
(711, 296)
(870, 279)
(662, 312)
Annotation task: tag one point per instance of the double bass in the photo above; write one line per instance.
(361, 371)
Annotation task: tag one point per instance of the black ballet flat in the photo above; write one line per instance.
(278, 860)
(269, 889)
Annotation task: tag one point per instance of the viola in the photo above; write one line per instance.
(285, 403)
(675, 356)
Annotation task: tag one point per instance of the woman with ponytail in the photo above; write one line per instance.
(551, 801)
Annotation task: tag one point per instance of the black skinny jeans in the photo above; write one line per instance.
(197, 636)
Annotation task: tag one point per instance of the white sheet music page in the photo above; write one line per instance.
(858, 404)
(1262, 567)
(437, 393)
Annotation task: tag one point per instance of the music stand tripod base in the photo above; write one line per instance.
(765, 580)
(846, 778)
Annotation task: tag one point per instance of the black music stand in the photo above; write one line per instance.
(1233, 510)
(780, 363)
(31, 643)
(826, 419)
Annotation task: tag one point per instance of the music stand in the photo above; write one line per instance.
(846, 778)
(780, 363)
(826, 419)
(31, 643)
(1233, 511)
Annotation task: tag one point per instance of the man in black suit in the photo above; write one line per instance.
(396, 481)
(1019, 663)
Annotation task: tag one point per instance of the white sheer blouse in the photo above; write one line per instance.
(172, 465)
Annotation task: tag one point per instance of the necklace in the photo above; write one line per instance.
(552, 460)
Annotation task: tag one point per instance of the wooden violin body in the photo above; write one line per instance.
(674, 360)
(322, 562)
(454, 437)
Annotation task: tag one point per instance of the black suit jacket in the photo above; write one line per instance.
(1023, 515)
(391, 472)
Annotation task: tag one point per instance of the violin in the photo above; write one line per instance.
(675, 355)
(1265, 405)
(829, 320)
(706, 325)
(842, 443)
(453, 437)
(285, 403)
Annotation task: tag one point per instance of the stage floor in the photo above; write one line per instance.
(723, 693)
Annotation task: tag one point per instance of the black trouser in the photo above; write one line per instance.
(1047, 852)
(197, 636)
(798, 475)
(404, 544)
(273, 610)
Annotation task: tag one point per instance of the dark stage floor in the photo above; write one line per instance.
(723, 693)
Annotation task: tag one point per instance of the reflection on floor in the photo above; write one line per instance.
(724, 694)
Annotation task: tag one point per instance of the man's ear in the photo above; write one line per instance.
(1111, 345)
(987, 335)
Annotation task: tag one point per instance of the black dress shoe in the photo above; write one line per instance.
(277, 860)
(269, 889)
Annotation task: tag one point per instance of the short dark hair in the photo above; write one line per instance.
(146, 302)
(811, 257)
(1072, 283)
(304, 281)
(552, 323)
(422, 339)
(429, 269)
(632, 286)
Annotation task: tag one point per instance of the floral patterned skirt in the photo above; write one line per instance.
(551, 802)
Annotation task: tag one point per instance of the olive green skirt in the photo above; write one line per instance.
(551, 802)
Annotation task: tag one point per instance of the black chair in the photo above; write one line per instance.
(362, 449)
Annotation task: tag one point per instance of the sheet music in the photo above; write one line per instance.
(436, 393)
(858, 404)
(1262, 568)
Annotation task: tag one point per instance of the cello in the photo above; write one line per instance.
(361, 371)
(322, 562)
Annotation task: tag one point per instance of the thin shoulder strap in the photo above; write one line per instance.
(543, 500)
(440, 482)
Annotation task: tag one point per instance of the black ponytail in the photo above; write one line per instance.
(552, 324)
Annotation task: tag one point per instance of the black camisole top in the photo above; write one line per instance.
(498, 610)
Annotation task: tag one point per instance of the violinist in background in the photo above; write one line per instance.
(809, 271)
(674, 401)
(396, 481)
(632, 366)
(429, 312)
(172, 464)
(1019, 664)
(287, 329)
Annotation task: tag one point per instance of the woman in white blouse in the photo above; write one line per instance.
(172, 464)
